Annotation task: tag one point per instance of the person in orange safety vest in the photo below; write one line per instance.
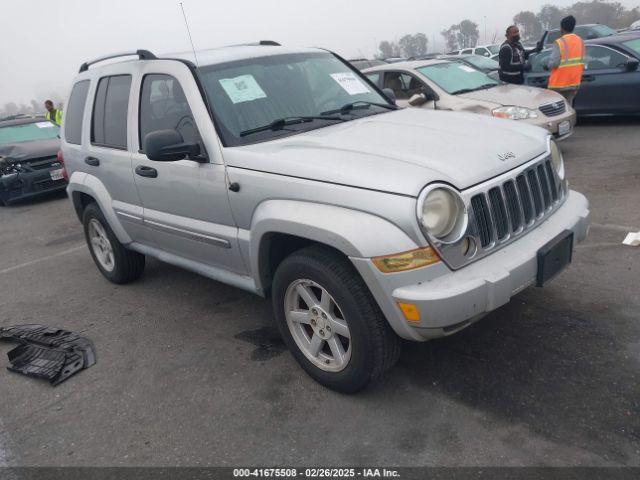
(567, 61)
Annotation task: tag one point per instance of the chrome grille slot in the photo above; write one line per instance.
(554, 109)
(546, 193)
(535, 191)
(483, 220)
(525, 199)
(552, 180)
(513, 205)
(499, 213)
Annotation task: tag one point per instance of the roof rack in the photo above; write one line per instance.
(142, 54)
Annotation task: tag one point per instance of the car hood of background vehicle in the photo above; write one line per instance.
(398, 152)
(519, 95)
(26, 150)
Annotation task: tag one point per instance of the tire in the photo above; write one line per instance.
(371, 347)
(125, 265)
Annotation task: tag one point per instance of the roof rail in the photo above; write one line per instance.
(142, 54)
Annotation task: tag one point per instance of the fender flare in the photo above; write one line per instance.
(92, 186)
(352, 232)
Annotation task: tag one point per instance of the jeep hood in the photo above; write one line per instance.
(518, 95)
(399, 152)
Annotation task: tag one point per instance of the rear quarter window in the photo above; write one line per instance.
(75, 112)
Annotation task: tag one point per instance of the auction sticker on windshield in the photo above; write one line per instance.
(44, 125)
(241, 89)
(467, 69)
(350, 83)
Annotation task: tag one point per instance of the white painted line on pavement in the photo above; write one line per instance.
(43, 259)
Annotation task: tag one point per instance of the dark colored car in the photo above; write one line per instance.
(362, 63)
(611, 79)
(586, 32)
(28, 159)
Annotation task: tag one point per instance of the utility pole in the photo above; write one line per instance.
(485, 29)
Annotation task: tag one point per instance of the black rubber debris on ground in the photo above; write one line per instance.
(49, 353)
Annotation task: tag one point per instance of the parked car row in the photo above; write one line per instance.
(290, 174)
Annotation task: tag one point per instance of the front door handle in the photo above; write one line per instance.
(93, 161)
(145, 171)
(588, 78)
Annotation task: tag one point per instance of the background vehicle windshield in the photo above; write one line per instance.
(483, 62)
(455, 77)
(252, 93)
(28, 132)
(603, 30)
(494, 49)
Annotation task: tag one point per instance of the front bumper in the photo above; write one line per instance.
(30, 184)
(454, 299)
(552, 124)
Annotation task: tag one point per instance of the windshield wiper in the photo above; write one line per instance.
(468, 90)
(359, 104)
(280, 123)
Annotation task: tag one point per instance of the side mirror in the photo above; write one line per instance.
(168, 146)
(418, 99)
(591, 36)
(632, 65)
(390, 95)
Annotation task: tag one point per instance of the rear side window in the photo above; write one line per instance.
(75, 112)
(110, 108)
(164, 106)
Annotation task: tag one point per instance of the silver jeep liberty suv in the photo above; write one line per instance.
(287, 173)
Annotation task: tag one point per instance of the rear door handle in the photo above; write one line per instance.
(145, 171)
(94, 162)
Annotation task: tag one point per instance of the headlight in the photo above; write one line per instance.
(514, 113)
(557, 160)
(442, 213)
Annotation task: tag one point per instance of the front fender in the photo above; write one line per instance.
(85, 183)
(352, 232)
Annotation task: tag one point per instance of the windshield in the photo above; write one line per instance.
(494, 49)
(28, 132)
(633, 45)
(483, 63)
(455, 77)
(603, 30)
(254, 93)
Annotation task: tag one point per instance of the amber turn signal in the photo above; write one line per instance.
(401, 262)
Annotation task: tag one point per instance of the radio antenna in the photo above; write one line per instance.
(189, 32)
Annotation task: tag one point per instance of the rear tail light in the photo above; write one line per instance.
(60, 159)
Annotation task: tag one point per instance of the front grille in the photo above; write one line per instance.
(554, 109)
(508, 209)
(47, 184)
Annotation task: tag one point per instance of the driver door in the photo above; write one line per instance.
(185, 205)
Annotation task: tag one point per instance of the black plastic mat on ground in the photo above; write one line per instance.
(48, 353)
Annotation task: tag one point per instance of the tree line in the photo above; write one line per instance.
(466, 34)
(33, 107)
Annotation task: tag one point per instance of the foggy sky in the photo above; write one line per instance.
(43, 42)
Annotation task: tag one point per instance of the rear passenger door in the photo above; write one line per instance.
(186, 205)
(108, 158)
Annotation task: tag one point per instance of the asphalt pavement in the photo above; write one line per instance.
(192, 372)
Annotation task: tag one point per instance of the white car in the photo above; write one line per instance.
(489, 51)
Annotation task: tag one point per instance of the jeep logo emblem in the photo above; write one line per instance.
(506, 156)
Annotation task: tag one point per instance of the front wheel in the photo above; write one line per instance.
(117, 263)
(330, 321)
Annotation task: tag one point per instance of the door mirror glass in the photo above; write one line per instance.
(168, 146)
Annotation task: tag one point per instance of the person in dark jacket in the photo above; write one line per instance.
(513, 57)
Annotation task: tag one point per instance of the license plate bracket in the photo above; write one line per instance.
(56, 174)
(554, 257)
